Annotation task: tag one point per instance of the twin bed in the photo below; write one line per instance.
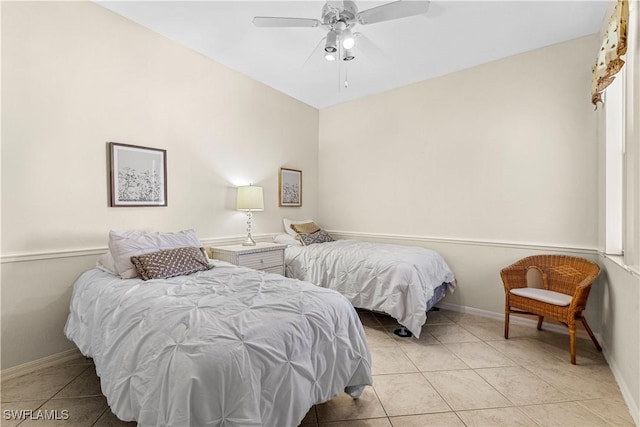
(208, 343)
(221, 346)
(402, 281)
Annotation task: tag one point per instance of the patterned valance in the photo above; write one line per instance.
(614, 45)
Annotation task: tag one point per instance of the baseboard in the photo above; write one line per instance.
(513, 319)
(45, 362)
(634, 410)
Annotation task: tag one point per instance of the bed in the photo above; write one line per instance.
(224, 346)
(402, 281)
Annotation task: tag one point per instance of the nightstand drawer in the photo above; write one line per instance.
(262, 260)
(263, 256)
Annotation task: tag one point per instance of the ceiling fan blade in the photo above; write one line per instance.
(277, 22)
(396, 10)
(370, 49)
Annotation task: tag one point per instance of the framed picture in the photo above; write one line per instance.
(137, 175)
(290, 187)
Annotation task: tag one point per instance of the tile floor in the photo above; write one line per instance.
(461, 372)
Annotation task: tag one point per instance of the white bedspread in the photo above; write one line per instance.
(397, 280)
(226, 347)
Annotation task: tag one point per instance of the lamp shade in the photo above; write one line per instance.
(250, 198)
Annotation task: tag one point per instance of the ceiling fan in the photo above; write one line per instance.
(339, 18)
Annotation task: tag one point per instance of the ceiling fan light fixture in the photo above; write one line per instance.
(331, 45)
(348, 41)
(348, 55)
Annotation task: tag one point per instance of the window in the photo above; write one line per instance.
(622, 155)
(614, 165)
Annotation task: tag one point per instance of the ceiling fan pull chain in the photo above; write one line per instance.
(339, 77)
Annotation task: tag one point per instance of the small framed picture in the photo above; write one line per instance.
(137, 175)
(290, 187)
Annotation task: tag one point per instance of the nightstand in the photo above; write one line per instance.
(268, 257)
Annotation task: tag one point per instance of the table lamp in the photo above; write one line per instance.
(249, 199)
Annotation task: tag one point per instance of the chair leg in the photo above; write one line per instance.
(506, 324)
(540, 319)
(572, 344)
(593, 338)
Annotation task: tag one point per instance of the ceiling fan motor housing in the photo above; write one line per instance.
(332, 16)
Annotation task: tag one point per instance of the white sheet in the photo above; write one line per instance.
(225, 347)
(397, 280)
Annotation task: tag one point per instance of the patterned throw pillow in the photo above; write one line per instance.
(319, 236)
(306, 228)
(170, 263)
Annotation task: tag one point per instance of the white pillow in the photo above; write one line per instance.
(286, 240)
(125, 244)
(288, 222)
(106, 263)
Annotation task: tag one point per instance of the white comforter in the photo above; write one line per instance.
(226, 347)
(397, 280)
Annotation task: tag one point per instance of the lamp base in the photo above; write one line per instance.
(249, 242)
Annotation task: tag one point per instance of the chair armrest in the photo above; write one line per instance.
(581, 293)
(514, 276)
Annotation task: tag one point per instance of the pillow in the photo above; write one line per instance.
(125, 244)
(319, 236)
(106, 263)
(306, 228)
(287, 240)
(170, 263)
(287, 225)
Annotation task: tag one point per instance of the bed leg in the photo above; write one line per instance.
(403, 332)
(355, 391)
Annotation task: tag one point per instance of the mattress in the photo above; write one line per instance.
(393, 279)
(230, 346)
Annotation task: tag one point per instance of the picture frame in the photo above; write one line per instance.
(290, 187)
(137, 176)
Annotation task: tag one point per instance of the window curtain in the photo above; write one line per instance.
(614, 45)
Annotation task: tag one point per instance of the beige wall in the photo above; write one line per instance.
(504, 151)
(75, 76)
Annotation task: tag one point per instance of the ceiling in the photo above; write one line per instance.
(451, 36)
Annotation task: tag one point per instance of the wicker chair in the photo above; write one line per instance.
(566, 282)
